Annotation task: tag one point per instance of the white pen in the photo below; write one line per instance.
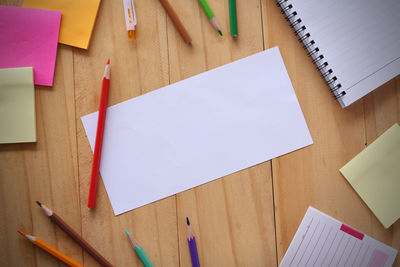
(130, 17)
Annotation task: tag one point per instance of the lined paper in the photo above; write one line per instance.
(359, 39)
(324, 241)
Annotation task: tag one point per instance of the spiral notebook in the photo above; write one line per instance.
(354, 44)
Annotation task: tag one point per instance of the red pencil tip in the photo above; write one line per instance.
(22, 233)
(108, 62)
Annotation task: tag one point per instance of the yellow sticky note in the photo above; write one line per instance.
(77, 19)
(375, 175)
(17, 106)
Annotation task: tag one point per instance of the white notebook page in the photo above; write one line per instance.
(359, 39)
(322, 240)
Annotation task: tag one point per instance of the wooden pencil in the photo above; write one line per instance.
(192, 245)
(49, 249)
(233, 18)
(210, 15)
(74, 235)
(177, 22)
(139, 250)
(94, 180)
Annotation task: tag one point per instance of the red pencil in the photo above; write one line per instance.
(99, 136)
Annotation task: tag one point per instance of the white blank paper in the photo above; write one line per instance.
(324, 241)
(199, 129)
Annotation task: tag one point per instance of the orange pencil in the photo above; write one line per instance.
(46, 247)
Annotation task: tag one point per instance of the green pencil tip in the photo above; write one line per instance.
(220, 33)
(126, 231)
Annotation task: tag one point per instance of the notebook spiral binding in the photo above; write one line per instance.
(313, 50)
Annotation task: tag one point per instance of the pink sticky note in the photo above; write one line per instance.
(378, 259)
(28, 38)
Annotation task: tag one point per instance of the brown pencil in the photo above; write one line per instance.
(175, 19)
(74, 235)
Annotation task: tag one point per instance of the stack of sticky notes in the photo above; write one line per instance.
(29, 37)
(78, 18)
(375, 175)
(28, 49)
(17, 106)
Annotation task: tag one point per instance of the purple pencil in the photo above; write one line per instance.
(192, 245)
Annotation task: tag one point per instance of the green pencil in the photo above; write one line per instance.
(210, 15)
(139, 251)
(233, 18)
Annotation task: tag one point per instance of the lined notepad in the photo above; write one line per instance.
(355, 44)
(324, 241)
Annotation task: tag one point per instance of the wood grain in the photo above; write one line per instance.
(44, 171)
(137, 67)
(245, 219)
(311, 176)
(225, 214)
(382, 110)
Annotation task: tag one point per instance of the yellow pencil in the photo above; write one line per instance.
(49, 249)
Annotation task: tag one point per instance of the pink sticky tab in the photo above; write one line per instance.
(347, 229)
(378, 259)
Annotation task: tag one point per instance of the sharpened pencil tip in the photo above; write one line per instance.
(220, 33)
(126, 231)
(40, 204)
(187, 221)
(22, 233)
(108, 61)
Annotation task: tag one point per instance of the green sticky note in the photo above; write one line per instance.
(375, 175)
(17, 106)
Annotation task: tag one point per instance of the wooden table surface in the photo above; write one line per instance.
(244, 219)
